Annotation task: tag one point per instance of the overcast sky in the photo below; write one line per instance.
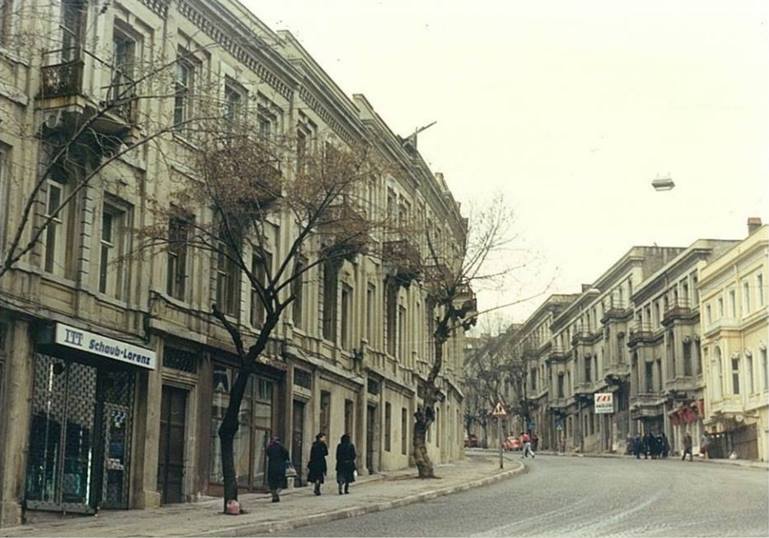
(569, 108)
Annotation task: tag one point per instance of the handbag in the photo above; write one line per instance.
(290, 470)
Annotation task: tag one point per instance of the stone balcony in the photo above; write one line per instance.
(680, 309)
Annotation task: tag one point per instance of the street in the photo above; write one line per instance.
(568, 496)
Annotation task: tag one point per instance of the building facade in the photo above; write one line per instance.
(734, 325)
(114, 377)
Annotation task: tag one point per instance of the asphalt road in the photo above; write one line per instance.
(566, 496)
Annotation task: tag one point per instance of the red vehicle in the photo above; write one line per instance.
(512, 443)
(471, 441)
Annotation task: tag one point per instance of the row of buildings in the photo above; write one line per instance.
(678, 336)
(114, 377)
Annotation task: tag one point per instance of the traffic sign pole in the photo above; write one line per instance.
(501, 444)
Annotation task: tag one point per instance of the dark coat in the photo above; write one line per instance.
(277, 459)
(317, 465)
(345, 463)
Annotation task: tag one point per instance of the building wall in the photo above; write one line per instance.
(299, 365)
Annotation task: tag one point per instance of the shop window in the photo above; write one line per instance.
(325, 413)
(388, 426)
(259, 269)
(254, 430)
(349, 417)
(176, 272)
(113, 247)
(405, 429)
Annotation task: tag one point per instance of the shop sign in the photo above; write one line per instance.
(603, 403)
(104, 347)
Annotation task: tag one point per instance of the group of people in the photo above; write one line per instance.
(657, 446)
(278, 462)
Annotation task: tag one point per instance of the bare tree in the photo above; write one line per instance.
(247, 185)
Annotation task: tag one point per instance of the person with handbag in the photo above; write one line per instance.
(345, 463)
(317, 465)
(277, 461)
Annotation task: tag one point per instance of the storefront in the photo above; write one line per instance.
(82, 419)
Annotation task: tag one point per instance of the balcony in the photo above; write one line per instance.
(722, 324)
(259, 174)
(584, 336)
(641, 333)
(616, 374)
(402, 260)
(556, 354)
(344, 230)
(680, 309)
(617, 311)
(61, 80)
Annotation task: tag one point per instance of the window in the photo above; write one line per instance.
(720, 307)
(659, 374)
(329, 290)
(123, 59)
(259, 268)
(370, 317)
(73, 13)
(437, 426)
(176, 278)
(749, 371)
(391, 312)
(402, 340)
(733, 303)
(709, 314)
(388, 426)
(560, 385)
(227, 280)
(687, 358)
(719, 374)
(112, 251)
(184, 86)
(588, 373)
(325, 413)
(765, 369)
(759, 284)
(297, 289)
(254, 430)
(649, 376)
(736, 375)
(6, 9)
(745, 298)
(345, 317)
(533, 376)
(404, 430)
(56, 235)
(349, 417)
(234, 103)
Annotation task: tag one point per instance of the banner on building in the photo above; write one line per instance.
(603, 402)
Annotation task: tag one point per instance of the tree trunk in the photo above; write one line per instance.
(227, 431)
(422, 423)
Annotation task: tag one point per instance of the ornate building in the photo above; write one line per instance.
(113, 374)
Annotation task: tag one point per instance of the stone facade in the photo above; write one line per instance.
(83, 431)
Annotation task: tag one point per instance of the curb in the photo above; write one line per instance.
(278, 526)
(751, 465)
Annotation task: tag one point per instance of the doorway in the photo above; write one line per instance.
(371, 438)
(297, 440)
(173, 419)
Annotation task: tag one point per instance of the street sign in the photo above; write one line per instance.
(499, 411)
(603, 403)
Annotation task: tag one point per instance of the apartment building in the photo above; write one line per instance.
(113, 375)
(734, 328)
(666, 378)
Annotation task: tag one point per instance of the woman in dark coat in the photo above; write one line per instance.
(345, 463)
(277, 459)
(317, 466)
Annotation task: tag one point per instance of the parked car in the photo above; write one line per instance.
(512, 443)
(471, 441)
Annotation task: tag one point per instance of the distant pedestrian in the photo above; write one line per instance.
(687, 447)
(277, 460)
(648, 445)
(526, 442)
(637, 446)
(345, 463)
(665, 445)
(317, 465)
(534, 441)
(705, 445)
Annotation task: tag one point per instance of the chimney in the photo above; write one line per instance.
(754, 223)
(586, 287)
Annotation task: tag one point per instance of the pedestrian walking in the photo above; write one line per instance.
(345, 463)
(526, 442)
(705, 445)
(648, 445)
(317, 465)
(665, 445)
(687, 447)
(534, 441)
(277, 461)
(637, 446)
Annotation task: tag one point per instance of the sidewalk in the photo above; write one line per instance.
(297, 508)
(738, 463)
